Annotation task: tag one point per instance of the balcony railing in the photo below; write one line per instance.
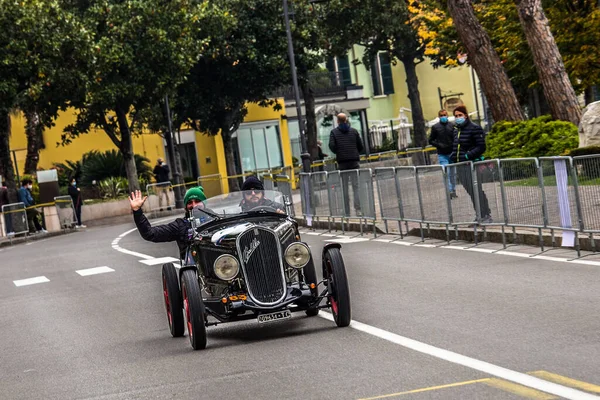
(323, 83)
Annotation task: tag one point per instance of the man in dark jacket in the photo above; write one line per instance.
(174, 231)
(469, 145)
(442, 138)
(75, 194)
(345, 142)
(161, 174)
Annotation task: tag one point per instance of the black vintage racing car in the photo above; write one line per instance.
(245, 264)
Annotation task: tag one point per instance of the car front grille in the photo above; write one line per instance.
(259, 252)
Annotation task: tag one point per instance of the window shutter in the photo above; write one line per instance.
(344, 70)
(330, 64)
(375, 79)
(386, 74)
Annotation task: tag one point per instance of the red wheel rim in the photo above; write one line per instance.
(334, 305)
(187, 312)
(167, 304)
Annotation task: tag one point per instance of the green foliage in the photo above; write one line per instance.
(584, 151)
(97, 166)
(534, 138)
(67, 171)
(113, 187)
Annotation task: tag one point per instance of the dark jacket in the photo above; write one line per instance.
(469, 142)
(161, 173)
(4, 197)
(173, 231)
(321, 155)
(442, 137)
(263, 203)
(346, 143)
(75, 196)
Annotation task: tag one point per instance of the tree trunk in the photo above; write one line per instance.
(558, 90)
(234, 184)
(126, 148)
(6, 165)
(482, 56)
(311, 119)
(414, 96)
(33, 131)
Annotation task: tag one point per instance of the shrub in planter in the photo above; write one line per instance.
(113, 187)
(97, 166)
(584, 151)
(537, 137)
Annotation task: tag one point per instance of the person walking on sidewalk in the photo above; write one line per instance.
(161, 174)
(469, 145)
(345, 142)
(442, 138)
(75, 194)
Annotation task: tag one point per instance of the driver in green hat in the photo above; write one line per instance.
(173, 231)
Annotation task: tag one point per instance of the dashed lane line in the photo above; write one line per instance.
(94, 271)
(31, 281)
(162, 260)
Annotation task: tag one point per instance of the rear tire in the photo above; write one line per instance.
(173, 302)
(337, 285)
(194, 309)
(310, 276)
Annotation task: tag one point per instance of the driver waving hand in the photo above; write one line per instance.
(254, 196)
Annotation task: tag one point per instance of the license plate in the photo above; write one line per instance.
(275, 316)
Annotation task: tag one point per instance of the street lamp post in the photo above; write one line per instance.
(305, 154)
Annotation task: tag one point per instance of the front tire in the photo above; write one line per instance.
(337, 286)
(310, 276)
(173, 302)
(194, 309)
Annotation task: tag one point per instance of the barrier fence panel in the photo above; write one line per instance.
(336, 194)
(524, 203)
(65, 211)
(351, 193)
(366, 193)
(387, 195)
(464, 207)
(284, 185)
(305, 194)
(268, 182)
(587, 170)
(15, 219)
(211, 184)
(560, 192)
(320, 197)
(434, 194)
(410, 207)
(490, 190)
(160, 196)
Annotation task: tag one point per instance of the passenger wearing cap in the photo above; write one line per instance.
(173, 231)
(254, 196)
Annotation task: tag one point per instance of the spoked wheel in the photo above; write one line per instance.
(337, 286)
(194, 309)
(173, 303)
(310, 275)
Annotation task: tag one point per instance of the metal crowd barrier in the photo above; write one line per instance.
(547, 193)
(14, 219)
(212, 184)
(65, 211)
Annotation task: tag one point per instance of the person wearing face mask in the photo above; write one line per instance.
(442, 138)
(26, 198)
(347, 145)
(469, 145)
(75, 194)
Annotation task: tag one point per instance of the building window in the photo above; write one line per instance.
(341, 66)
(381, 73)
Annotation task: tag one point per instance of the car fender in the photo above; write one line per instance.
(325, 249)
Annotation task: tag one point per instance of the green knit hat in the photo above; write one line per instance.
(195, 193)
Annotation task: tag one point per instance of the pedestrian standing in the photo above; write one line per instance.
(26, 198)
(161, 174)
(469, 145)
(75, 194)
(442, 138)
(345, 142)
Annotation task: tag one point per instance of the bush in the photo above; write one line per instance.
(97, 166)
(113, 187)
(538, 137)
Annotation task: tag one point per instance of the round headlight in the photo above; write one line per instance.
(297, 255)
(226, 267)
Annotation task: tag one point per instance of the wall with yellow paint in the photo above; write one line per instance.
(147, 145)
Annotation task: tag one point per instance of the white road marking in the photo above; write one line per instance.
(512, 253)
(328, 235)
(94, 271)
(312, 233)
(401, 243)
(31, 281)
(480, 250)
(488, 368)
(424, 245)
(585, 262)
(347, 240)
(453, 247)
(382, 240)
(156, 261)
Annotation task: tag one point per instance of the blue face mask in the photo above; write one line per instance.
(460, 120)
(74, 183)
(444, 120)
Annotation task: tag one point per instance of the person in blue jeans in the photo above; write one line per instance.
(442, 138)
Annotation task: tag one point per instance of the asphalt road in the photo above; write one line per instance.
(472, 317)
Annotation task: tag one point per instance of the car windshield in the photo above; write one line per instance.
(235, 203)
